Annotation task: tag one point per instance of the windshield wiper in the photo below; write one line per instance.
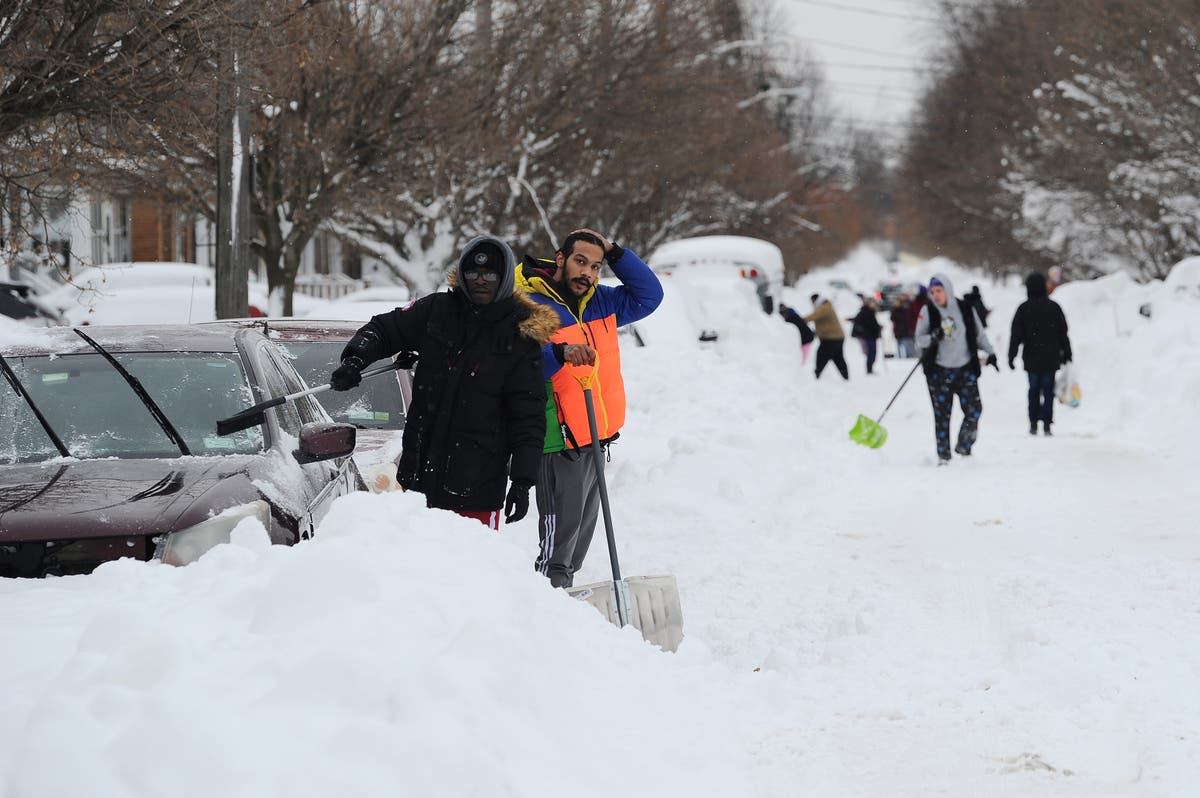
(140, 390)
(11, 376)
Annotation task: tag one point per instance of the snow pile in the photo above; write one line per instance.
(404, 652)
(1143, 369)
(857, 622)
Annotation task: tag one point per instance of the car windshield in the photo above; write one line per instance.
(375, 404)
(95, 412)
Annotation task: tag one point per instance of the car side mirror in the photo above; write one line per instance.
(324, 441)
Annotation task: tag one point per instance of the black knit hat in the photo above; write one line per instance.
(485, 255)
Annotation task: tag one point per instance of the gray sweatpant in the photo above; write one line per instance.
(568, 502)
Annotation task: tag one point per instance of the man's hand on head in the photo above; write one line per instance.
(604, 242)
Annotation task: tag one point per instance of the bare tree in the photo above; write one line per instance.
(632, 116)
(72, 73)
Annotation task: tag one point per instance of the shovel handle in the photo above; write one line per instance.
(898, 390)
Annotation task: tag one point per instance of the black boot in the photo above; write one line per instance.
(1046, 429)
(1033, 428)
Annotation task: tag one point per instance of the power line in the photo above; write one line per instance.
(883, 67)
(877, 86)
(870, 11)
(851, 47)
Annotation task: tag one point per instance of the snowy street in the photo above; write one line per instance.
(857, 622)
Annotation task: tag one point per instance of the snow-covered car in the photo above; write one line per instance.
(362, 305)
(110, 448)
(753, 259)
(18, 301)
(1184, 278)
(152, 293)
(377, 407)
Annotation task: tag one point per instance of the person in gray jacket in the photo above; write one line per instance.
(950, 337)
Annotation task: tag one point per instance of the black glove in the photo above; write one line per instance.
(991, 361)
(516, 504)
(348, 375)
(1012, 363)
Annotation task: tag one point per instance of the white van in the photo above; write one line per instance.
(759, 261)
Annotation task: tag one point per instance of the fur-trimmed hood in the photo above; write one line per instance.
(538, 322)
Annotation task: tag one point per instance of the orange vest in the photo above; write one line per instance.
(608, 389)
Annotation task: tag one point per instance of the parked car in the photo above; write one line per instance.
(758, 261)
(153, 293)
(17, 301)
(111, 449)
(888, 291)
(377, 408)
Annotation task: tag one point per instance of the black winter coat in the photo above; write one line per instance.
(1040, 326)
(479, 398)
(865, 324)
(792, 317)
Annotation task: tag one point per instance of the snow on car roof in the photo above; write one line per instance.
(289, 328)
(1184, 274)
(14, 333)
(762, 253)
(131, 338)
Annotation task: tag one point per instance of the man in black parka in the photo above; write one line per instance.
(478, 413)
(1040, 326)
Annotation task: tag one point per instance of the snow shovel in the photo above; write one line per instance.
(648, 603)
(869, 433)
(253, 416)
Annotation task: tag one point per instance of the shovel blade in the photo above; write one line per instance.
(650, 604)
(868, 432)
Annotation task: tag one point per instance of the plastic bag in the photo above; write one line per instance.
(1066, 386)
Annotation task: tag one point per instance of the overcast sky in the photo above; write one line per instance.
(872, 52)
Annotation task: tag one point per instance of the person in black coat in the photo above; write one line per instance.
(1040, 326)
(478, 413)
(865, 327)
(975, 299)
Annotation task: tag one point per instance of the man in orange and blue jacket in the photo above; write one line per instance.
(567, 492)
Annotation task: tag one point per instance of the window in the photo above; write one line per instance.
(275, 385)
(375, 404)
(96, 413)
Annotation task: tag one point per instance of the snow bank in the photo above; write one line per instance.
(404, 651)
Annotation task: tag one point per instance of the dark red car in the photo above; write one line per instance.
(109, 447)
(377, 407)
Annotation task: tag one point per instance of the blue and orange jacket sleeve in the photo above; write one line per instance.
(639, 294)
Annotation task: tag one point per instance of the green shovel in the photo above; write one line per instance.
(870, 433)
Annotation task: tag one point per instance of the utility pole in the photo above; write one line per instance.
(483, 23)
(233, 173)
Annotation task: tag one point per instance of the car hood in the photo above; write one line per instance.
(105, 498)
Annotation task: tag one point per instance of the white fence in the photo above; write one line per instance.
(327, 286)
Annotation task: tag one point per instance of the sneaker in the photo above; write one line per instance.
(943, 461)
(965, 452)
